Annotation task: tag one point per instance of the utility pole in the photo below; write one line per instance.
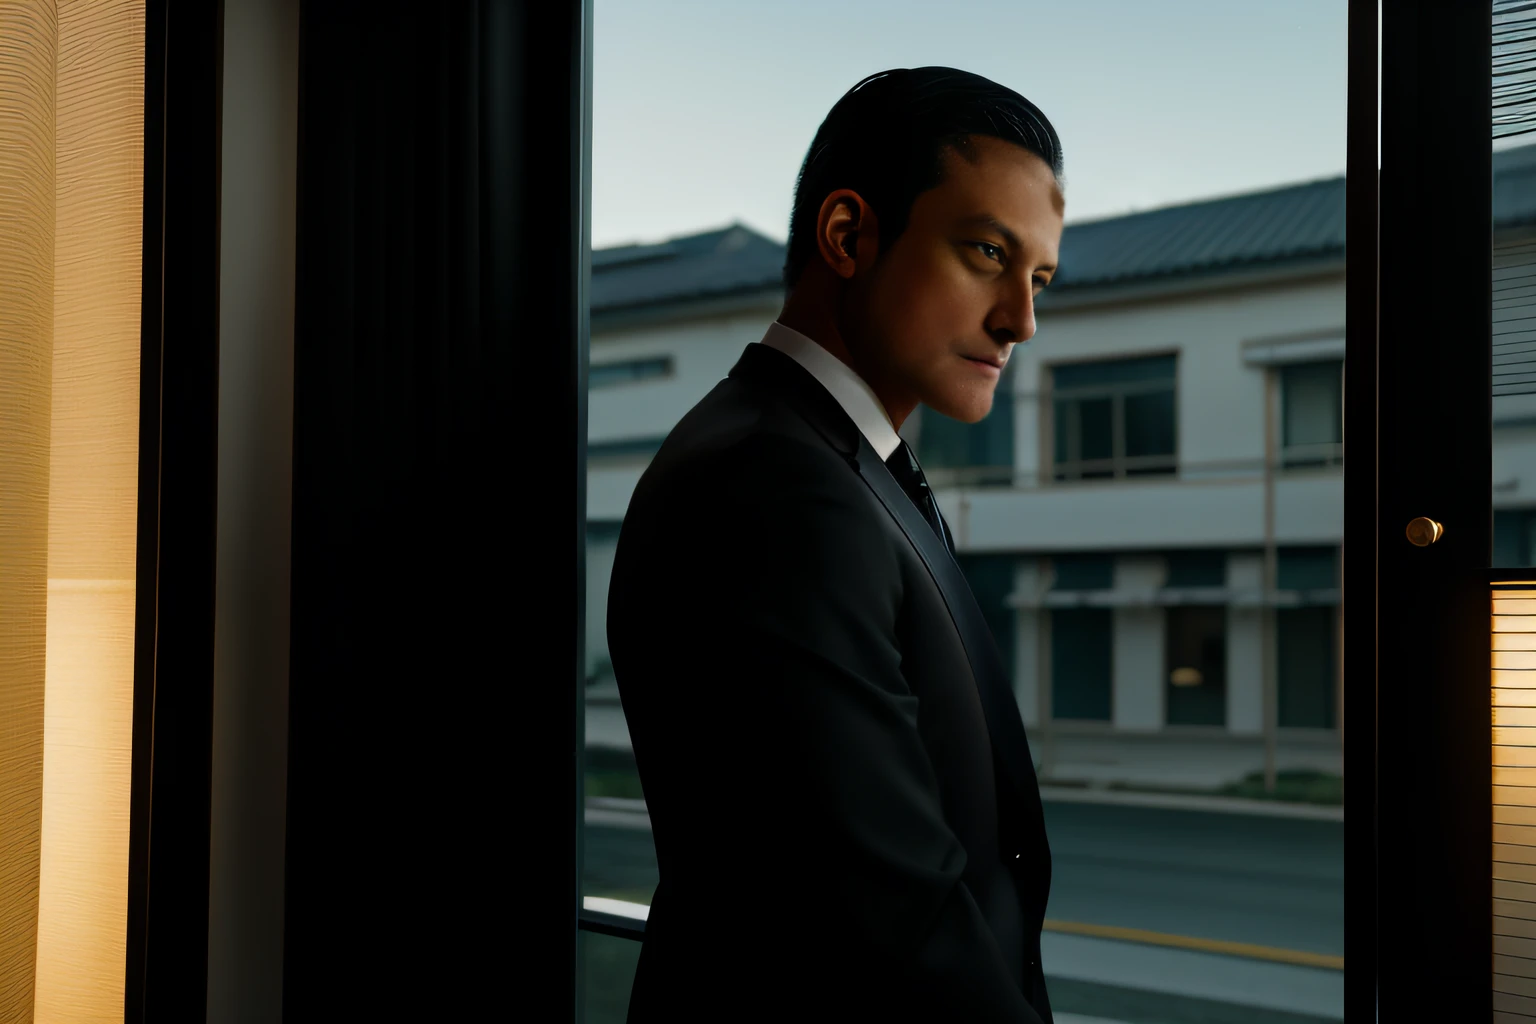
(1267, 607)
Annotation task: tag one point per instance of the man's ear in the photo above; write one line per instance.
(843, 222)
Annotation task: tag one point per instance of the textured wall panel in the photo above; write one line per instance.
(93, 510)
(27, 46)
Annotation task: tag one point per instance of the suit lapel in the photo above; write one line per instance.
(787, 378)
(1006, 728)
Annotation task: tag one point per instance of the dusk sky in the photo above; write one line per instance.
(703, 109)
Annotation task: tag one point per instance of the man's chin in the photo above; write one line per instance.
(969, 409)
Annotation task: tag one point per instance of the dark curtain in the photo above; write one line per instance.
(437, 508)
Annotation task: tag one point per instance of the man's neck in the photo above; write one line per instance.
(822, 329)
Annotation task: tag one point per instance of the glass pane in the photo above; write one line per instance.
(1149, 424)
(1081, 649)
(1098, 431)
(1137, 380)
(1065, 433)
(1313, 404)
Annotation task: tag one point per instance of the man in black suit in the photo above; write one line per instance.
(847, 820)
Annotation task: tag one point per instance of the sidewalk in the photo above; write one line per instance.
(605, 727)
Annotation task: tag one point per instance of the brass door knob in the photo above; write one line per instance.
(1423, 532)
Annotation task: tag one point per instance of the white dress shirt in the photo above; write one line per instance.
(855, 396)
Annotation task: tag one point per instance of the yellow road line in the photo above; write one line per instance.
(1247, 949)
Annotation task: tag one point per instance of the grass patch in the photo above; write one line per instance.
(1302, 787)
(611, 772)
(1296, 786)
(615, 783)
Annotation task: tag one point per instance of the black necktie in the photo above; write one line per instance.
(903, 466)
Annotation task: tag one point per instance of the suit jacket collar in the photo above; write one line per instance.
(778, 373)
(852, 392)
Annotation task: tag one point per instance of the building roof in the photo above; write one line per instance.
(1295, 223)
(725, 261)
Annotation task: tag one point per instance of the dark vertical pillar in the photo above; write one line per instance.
(1434, 406)
(1360, 640)
(167, 943)
(438, 503)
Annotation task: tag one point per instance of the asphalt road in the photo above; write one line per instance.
(1275, 882)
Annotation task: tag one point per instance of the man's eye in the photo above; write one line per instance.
(985, 246)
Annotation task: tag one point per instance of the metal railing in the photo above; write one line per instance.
(618, 918)
(1296, 459)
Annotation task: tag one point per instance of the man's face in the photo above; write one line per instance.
(957, 291)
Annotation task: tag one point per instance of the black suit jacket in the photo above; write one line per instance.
(846, 814)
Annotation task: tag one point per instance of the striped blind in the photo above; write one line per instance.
(1514, 801)
(1514, 261)
(1514, 316)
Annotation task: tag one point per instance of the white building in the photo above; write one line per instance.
(1177, 415)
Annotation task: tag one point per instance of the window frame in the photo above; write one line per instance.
(1324, 454)
(1119, 465)
(598, 381)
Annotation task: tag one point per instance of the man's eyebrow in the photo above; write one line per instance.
(987, 220)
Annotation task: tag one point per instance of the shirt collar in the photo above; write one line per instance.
(852, 393)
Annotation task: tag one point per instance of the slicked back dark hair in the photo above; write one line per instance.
(886, 138)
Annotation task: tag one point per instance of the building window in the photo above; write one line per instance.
(1115, 419)
(1083, 572)
(1082, 649)
(1307, 569)
(991, 580)
(1312, 414)
(946, 445)
(1197, 665)
(603, 375)
(1082, 641)
(1306, 669)
(1512, 535)
(1197, 569)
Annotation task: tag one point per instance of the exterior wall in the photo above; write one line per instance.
(1028, 650)
(1138, 635)
(1220, 398)
(1150, 513)
(704, 350)
(1245, 649)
